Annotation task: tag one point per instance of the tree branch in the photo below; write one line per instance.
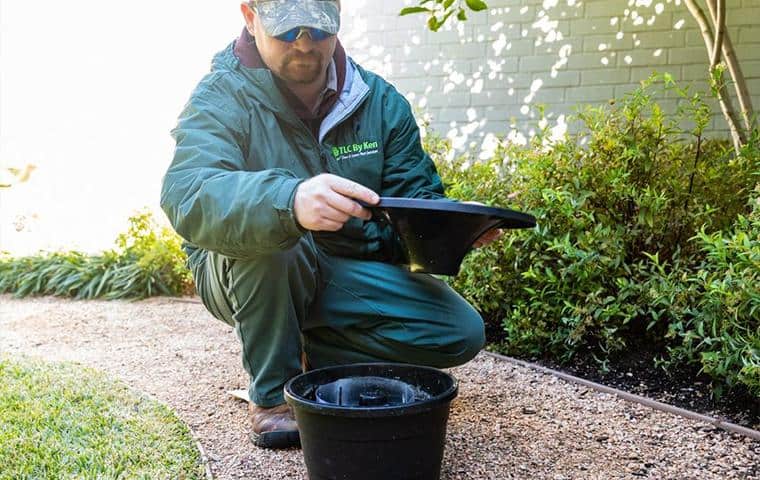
(723, 99)
(720, 30)
(734, 68)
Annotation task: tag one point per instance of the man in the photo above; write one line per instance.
(276, 149)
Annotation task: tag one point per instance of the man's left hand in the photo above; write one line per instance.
(488, 237)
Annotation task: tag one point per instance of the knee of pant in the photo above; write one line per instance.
(474, 339)
(471, 338)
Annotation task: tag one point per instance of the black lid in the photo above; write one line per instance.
(437, 234)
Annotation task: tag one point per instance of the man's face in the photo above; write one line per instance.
(302, 62)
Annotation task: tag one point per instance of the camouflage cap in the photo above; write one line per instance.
(279, 16)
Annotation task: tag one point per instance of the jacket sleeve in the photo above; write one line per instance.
(209, 196)
(408, 171)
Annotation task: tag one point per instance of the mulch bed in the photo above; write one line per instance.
(686, 388)
(635, 371)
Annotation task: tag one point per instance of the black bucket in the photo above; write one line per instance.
(375, 421)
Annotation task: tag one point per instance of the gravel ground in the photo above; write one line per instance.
(508, 421)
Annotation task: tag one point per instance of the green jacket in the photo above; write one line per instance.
(241, 152)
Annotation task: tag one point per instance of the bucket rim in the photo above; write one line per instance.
(298, 402)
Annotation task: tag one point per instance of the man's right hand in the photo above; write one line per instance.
(326, 202)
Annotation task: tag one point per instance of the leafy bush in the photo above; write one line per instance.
(618, 204)
(148, 260)
(715, 323)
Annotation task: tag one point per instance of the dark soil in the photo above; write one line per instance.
(634, 371)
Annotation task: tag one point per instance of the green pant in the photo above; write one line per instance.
(337, 310)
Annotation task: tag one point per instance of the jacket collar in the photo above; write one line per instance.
(352, 95)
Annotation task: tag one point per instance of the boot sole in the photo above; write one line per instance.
(277, 439)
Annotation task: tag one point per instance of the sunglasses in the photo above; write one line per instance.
(295, 33)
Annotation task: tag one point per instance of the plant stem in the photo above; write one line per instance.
(694, 171)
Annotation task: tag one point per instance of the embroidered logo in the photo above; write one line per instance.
(354, 150)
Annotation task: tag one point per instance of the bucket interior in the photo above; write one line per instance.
(369, 391)
(371, 386)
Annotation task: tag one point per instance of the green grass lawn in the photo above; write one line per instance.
(66, 421)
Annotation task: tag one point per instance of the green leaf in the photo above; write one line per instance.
(476, 5)
(410, 10)
(433, 24)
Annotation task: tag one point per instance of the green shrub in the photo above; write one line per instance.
(147, 261)
(156, 253)
(715, 320)
(617, 204)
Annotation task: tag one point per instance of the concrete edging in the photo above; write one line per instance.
(631, 397)
(204, 457)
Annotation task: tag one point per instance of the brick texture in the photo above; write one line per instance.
(520, 53)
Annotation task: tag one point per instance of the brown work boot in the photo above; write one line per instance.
(273, 427)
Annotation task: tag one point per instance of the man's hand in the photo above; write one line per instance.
(326, 202)
(488, 237)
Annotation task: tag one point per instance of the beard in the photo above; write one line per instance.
(304, 68)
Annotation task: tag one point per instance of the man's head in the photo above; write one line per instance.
(295, 38)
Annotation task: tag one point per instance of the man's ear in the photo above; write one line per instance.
(249, 15)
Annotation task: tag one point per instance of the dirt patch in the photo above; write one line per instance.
(508, 421)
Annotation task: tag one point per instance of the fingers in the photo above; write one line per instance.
(327, 212)
(347, 206)
(326, 202)
(344, 191)
(488, 237)
(353, 190)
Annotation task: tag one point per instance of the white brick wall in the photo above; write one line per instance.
(478, 77)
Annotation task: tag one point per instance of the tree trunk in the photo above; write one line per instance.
(726, 106)
(734, 68)
(720, 30)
